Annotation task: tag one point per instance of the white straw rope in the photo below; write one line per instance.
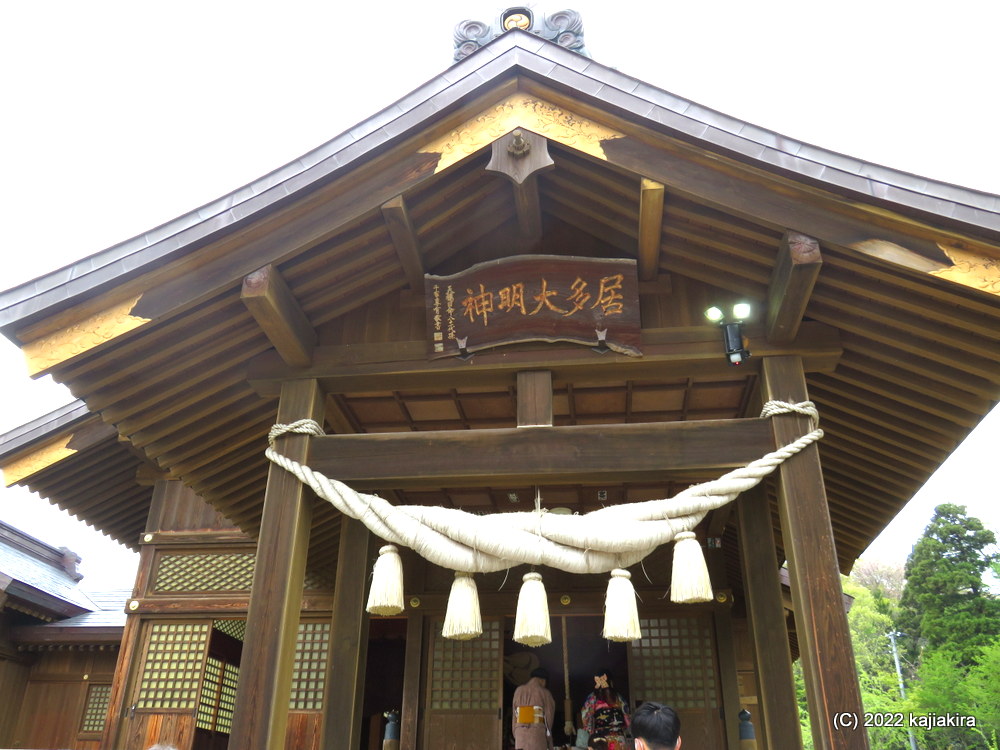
(613, 537)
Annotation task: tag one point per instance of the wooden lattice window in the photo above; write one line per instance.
(95, 709)
(177, 574)
(464, 674)
(171, 675)
(218, 696)
(674, 661)
(235, 628)
(309, 671)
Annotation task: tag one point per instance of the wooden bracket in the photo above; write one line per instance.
(279, 315)
(404, 239)
(650, 228)
(798, 264)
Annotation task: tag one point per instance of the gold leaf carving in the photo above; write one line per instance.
(521, 111)
(37, 460)
(81, 337)
(969, 269)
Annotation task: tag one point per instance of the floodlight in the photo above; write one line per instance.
(714, 314)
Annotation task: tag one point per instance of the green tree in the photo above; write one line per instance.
(945, 604)
(870, 623)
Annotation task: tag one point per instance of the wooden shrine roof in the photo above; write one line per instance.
(900, 330)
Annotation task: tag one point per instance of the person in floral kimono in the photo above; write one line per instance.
(606, 713)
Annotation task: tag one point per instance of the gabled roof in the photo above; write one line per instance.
(40, 576)
(903, 321)
(516, 52)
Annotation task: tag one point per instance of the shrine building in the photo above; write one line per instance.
(484, 310)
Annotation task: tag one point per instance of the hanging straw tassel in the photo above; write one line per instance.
(690, 581)
(532, 626)
(621, 615)
(463, 622)
(386, 595)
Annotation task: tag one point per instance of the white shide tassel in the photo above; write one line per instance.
(463, 622)
(532, 626)
(386, 594)
(621, 614)
(690, 581)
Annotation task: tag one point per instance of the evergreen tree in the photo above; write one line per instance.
(945, 604)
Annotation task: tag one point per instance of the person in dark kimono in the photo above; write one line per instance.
(534, 712)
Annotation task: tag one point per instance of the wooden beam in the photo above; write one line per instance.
(534, 398)
(795, 271)
(766, 614)
(821, 623)
(578, 453)
(404, 239)
(279, 315)
(345, 673)
(410, 710)
(734, 190)
(264, 688)
(650, 227)
(667, 353)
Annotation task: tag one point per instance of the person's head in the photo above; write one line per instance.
(656, 727)
(541, 673)
(604, 687)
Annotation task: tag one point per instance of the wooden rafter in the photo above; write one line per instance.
(650, 226)
(798, 264)
(279, 315)
(404, 239)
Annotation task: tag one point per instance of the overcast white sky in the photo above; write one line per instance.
(119, 116)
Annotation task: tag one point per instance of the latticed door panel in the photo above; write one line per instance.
(464, 689)
(675, 663)
(172, 666)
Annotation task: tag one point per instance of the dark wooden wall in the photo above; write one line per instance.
(53, 698)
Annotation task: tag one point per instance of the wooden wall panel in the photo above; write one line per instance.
(50, 714)
(13, 681)
(305, 730)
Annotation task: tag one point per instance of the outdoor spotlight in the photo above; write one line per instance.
(732, 332)
(714, 314)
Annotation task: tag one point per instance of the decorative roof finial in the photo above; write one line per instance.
(565, 28)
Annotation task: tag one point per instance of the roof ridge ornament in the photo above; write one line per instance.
(564, 27)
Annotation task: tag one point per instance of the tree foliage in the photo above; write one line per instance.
(945, 604)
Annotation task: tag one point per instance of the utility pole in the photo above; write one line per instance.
(893, 634)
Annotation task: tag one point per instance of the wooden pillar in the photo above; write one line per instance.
(128, 666)
(765, 610)
(262, 696)
(821, 622)
(345, 674)
(727, 673)
(410, 711)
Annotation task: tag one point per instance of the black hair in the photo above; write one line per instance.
(540, 672)
(657, 724)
